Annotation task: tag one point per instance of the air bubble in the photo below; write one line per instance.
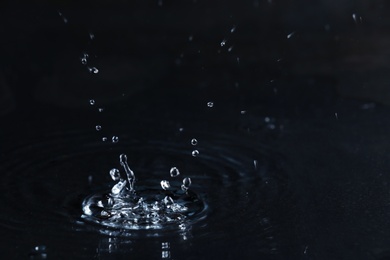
(115, 139)
(165, 184)
(194, 141)
(186, 184)
(210, 104)
(92, 102)
(98, 127)
(115, 174)
(195, 153)
(174, 172)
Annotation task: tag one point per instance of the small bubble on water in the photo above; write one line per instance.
(290, 35)
(233, 29)
(194, 141)
(195, 153)
(100, 109)
(174, 172)
(93, 70)
(92, 102)
(115, 174)
(210, 104)
(186, 184)
(115, 139)
(98, 127)
(223, 42)
(165, 184)
(104, 139)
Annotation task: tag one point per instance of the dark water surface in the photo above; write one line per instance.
(293, 151)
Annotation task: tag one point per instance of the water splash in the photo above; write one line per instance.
(125, 208)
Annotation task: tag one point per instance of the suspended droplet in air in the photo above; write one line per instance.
(174, 172)
(115, 139)
(223, 42)
(93, 70)
(98, 127)
(210, 104)
(115, 174)
(290, 35)
(92, 102)
(195, 153)
(194, 141)
(186, 184)
(165, 184)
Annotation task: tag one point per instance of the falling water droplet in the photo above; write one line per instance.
(238, 60)
(356, 18)
(98, 127)
(255, 164)
(93, 70)
(104, 139)
(165, 184)
(195, 153)
(223, 42)
(194, 141)
(115, 139)
(243, 112)
(230, 48)
(91, 36)
(186, 184)
(168, 200)
(92, 102)
(290, 35)
(210, 104)
(84, 58)
(100, 109)
(233, 29)
(115, 174)
(181, 129)
(174, 172)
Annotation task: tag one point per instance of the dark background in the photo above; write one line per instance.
(161, 62)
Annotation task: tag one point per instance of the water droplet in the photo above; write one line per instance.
(91, 36)
(104, 139)
(168, 200)
(174, 172)
(165, 184)
(233, 29)
(195, 153)
(92, 102)
(356, 18)
(243, 112)
(186, 184)
(190, 38)
(194, 141)
(164, 245)
(230, 48)
(336, 115)
(115, 174)
(267, 119)
(255, 164)
(93, 70)
(165, 254)
(290, 35)
(100, 109)
(223, 42)
(181, 129)
(115, 139)
(98, 127)
(38, 252)
(238, 60)
(210, 104)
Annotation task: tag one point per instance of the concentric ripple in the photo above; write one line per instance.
(238, 190)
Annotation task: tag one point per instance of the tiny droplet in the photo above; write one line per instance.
(194, 141)
(115, 174)
(195, 153)
(165, 184)
(210, 104)
(115, 139)
(98, 127)
(92, 102)
(174, 172)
